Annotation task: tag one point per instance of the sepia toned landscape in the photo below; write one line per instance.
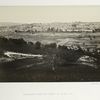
(50, 51)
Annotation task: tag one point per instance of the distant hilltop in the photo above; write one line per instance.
(8, 23)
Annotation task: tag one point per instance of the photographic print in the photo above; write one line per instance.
(49, 43)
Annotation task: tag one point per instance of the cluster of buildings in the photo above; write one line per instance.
(54, 27)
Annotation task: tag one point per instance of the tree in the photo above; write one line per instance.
(38, 45)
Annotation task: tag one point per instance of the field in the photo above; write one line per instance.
(59, 38)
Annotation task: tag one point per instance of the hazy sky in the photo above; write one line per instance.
(31, 14)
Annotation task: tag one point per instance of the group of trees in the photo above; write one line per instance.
(97, 30)
(20, 45)
(26, 31)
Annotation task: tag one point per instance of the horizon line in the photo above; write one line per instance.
(50, 22)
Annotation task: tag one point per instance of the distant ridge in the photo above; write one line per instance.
(8, 23)
(18, 23)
